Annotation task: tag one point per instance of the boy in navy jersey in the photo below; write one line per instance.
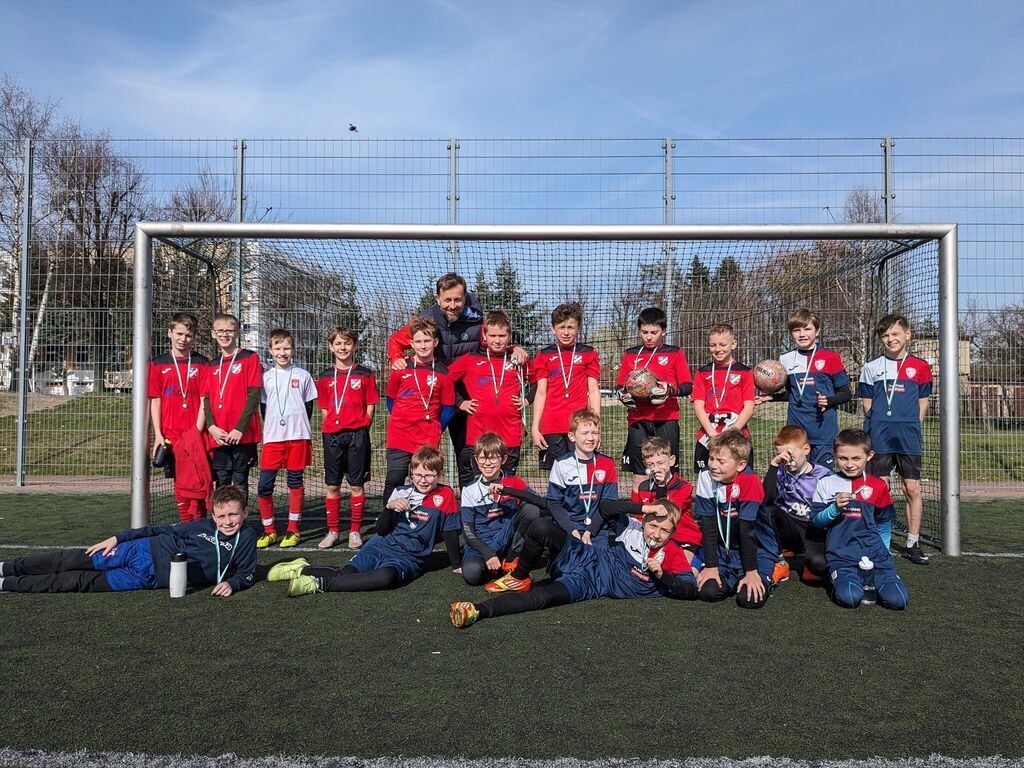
(894, 390)
(176, 382)
(231, 404)
(495, 381)
(347, 397)
(566, 374)
(816, 384)
(856, 511)
(789, 487)
(420, 400)
(416, 516)
(723, 394)
(740, 550)
(494, 522)
(288, 397)
(220, 551)
(641, 561)
(663, 482)
(658, 415)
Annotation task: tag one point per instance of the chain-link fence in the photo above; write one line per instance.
(71, 318)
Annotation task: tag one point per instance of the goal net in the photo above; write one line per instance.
(276, 277)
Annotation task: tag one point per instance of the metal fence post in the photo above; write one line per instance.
(888, 195)
(949, 393)
(142, 328)
(239, 217)
(453, 200)
(23, 331)
(668, 249)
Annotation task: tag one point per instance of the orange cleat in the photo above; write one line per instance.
(781, 572)
(509, 583)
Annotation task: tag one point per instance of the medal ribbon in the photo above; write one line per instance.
(566, 379)
(719, 396)
(182, 388)
(890, 391)
(216, 545)
(727, 533)
(430, 395)
(495, 384)
(281, 408)
(802, 383)
(334, 395)
(224, 376)
(590, 490)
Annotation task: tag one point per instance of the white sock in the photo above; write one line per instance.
(2, 568)
(912, 539)
(1, 583)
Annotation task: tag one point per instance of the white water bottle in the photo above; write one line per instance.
(867, 579)
(179, 574)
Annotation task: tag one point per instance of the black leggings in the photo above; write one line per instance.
(711, 592)
(474, 569)
(348, 579)
(64, 570)
(801, 536)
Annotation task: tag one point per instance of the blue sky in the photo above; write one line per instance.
(526, 69)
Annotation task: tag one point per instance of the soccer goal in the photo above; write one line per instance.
(309, 278)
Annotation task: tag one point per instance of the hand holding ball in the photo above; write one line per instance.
(769, 376)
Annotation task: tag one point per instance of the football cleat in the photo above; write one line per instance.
(355, 541)
(304, 585)
(509, 583)
(463, 614)
(266, 540)
(809, 577)
(287, 571)
(915, 555)
(510, 565)
(781, 572)
(291, 539)
(329, 540)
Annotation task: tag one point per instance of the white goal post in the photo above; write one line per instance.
(945, 235)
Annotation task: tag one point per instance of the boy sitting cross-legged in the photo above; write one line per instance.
(641, 561)
(220, 551)
(856, 511)
(494, 522)
(416, 516)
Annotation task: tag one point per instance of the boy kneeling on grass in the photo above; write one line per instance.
(220, 551)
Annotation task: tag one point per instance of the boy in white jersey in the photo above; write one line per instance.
(287, 402)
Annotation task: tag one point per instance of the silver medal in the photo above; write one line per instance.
(282, 422)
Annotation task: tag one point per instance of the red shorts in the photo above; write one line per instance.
(291, 454)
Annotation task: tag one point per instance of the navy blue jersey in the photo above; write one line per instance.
(418, 530)
(812, 373)
(492, 519)
(855, 532)
(795, 491)
(895, 388)
(728, 503)
(200, 541)
(576, 487)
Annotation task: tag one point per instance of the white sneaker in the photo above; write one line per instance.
(329, 540)
(355, 541)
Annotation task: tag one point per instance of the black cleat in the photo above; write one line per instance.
(915, 555)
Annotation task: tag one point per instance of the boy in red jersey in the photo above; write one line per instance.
(663, 482)
(566, 374)
(347, 396)
(657, 415)
(176, 381)
(495, 382)
(231, 403)
(723, 394)
(420, 400)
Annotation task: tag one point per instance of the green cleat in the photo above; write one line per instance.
(287, 570)
(304, 585)
(291, 539)
(463, 614)
(266, 540)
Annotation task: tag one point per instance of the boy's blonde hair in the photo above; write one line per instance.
(790, 433)
(187, 319)
(278, 335)
(428, 458)
(228, 317)
(802, 317)
(423, 325)
(652, 446)
(720, 328)
(668, 509)
(583, 416)
(733, 442)
(343, 333)
(490, 444)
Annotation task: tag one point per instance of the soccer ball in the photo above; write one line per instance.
(640, 382)
(769, 376)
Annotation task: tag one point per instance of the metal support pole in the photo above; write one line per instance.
(668, 249)
(239, 217)
(949, 393)
(453, 201)
(142, 328)
(23, 332)
(888, 195)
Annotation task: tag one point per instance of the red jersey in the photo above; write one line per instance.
(418, 393)
(227, 385)
(566, 372)
(493, 382)
(344, 396)
(723, 389)
(679, 492)
(668, 363)
(178, 383)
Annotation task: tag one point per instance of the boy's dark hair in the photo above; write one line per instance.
(226, 316)
(497, 319)
(791, 433)
(720, 328)
(428, 458)
(187, 319)
(571, 310)
(652, 446)
(803, 317)
(490, 444)
(889, 321)
(856, 438)
(733, 442)
(652, 316)
(423, 325)
(279, 335)
(227, 494)
(449, 281)
(343, 333)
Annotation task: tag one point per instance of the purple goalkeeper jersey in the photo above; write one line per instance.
(794, 493)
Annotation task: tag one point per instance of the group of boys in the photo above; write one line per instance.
(659, 543)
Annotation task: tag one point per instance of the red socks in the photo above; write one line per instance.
(267, 514)
(189, 509)
(296, 498)
(358, 507)
(333, 513)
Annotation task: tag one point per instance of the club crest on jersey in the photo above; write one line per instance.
(735, 492)
(865, 492)
(599, 475)
(295, 383)
(431, 380)
(734, 379)
(576, 359)
(819, 365)
(356, 384)
(910, 372)
(662, 359)
(438, 499)
(236, 368)
(465, 336)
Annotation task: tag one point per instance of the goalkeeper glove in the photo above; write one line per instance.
(626, 398)
(660, 392)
